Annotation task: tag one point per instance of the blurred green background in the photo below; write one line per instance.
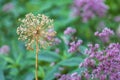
(19, 64)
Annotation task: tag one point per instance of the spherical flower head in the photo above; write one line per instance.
(36, 28)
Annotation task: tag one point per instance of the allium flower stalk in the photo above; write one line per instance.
(105, 34)
(37, 30)
(88, 9)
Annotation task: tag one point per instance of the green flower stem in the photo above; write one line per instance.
(36, 65)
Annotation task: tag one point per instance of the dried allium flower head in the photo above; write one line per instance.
(36, 28)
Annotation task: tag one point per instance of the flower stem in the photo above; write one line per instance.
(36, 65)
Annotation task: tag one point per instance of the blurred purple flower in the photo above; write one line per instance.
(69, 31)
(74, 12)
(7, 7)
(74, 46)
(4, 49)
(57, 50)
(73, 76)
(101, 25)
(118, 31)
(88, 9)
(117, 18)
(105, 34)
(57, 41)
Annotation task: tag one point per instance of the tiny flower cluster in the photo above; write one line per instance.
(87, 9)
(57, 41)
(69, 31)
(4, 49)
(105, 34)
(103, 64)
(74, 46)
(73, 76)
(36, 28)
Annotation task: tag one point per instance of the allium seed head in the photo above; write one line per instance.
(34, 28)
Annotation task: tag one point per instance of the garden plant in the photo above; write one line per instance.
(59, 40)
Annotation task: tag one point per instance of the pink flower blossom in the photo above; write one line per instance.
(4, 49)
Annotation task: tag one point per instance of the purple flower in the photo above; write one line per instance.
(57, 41)
(4, 49)
(74, 46)
(69, 31)
(73, 76)
(7, 7)
(117, 18)
(88, 9)
(105, 34)
(103, 63)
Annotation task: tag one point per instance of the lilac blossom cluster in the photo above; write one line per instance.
(4, 49)
(69, 31)
(88, 9)
(102, 64)
(74, 46)
(105, 34)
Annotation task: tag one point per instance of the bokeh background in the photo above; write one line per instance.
(16, 63)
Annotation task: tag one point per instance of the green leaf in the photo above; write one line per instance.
(82, 49)
(2, 77)
(41, 72)
(29, 76)
(75, 61)
(51, 74)
(9, 60)
(33, 6)
(49, 56)
(3, 63)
